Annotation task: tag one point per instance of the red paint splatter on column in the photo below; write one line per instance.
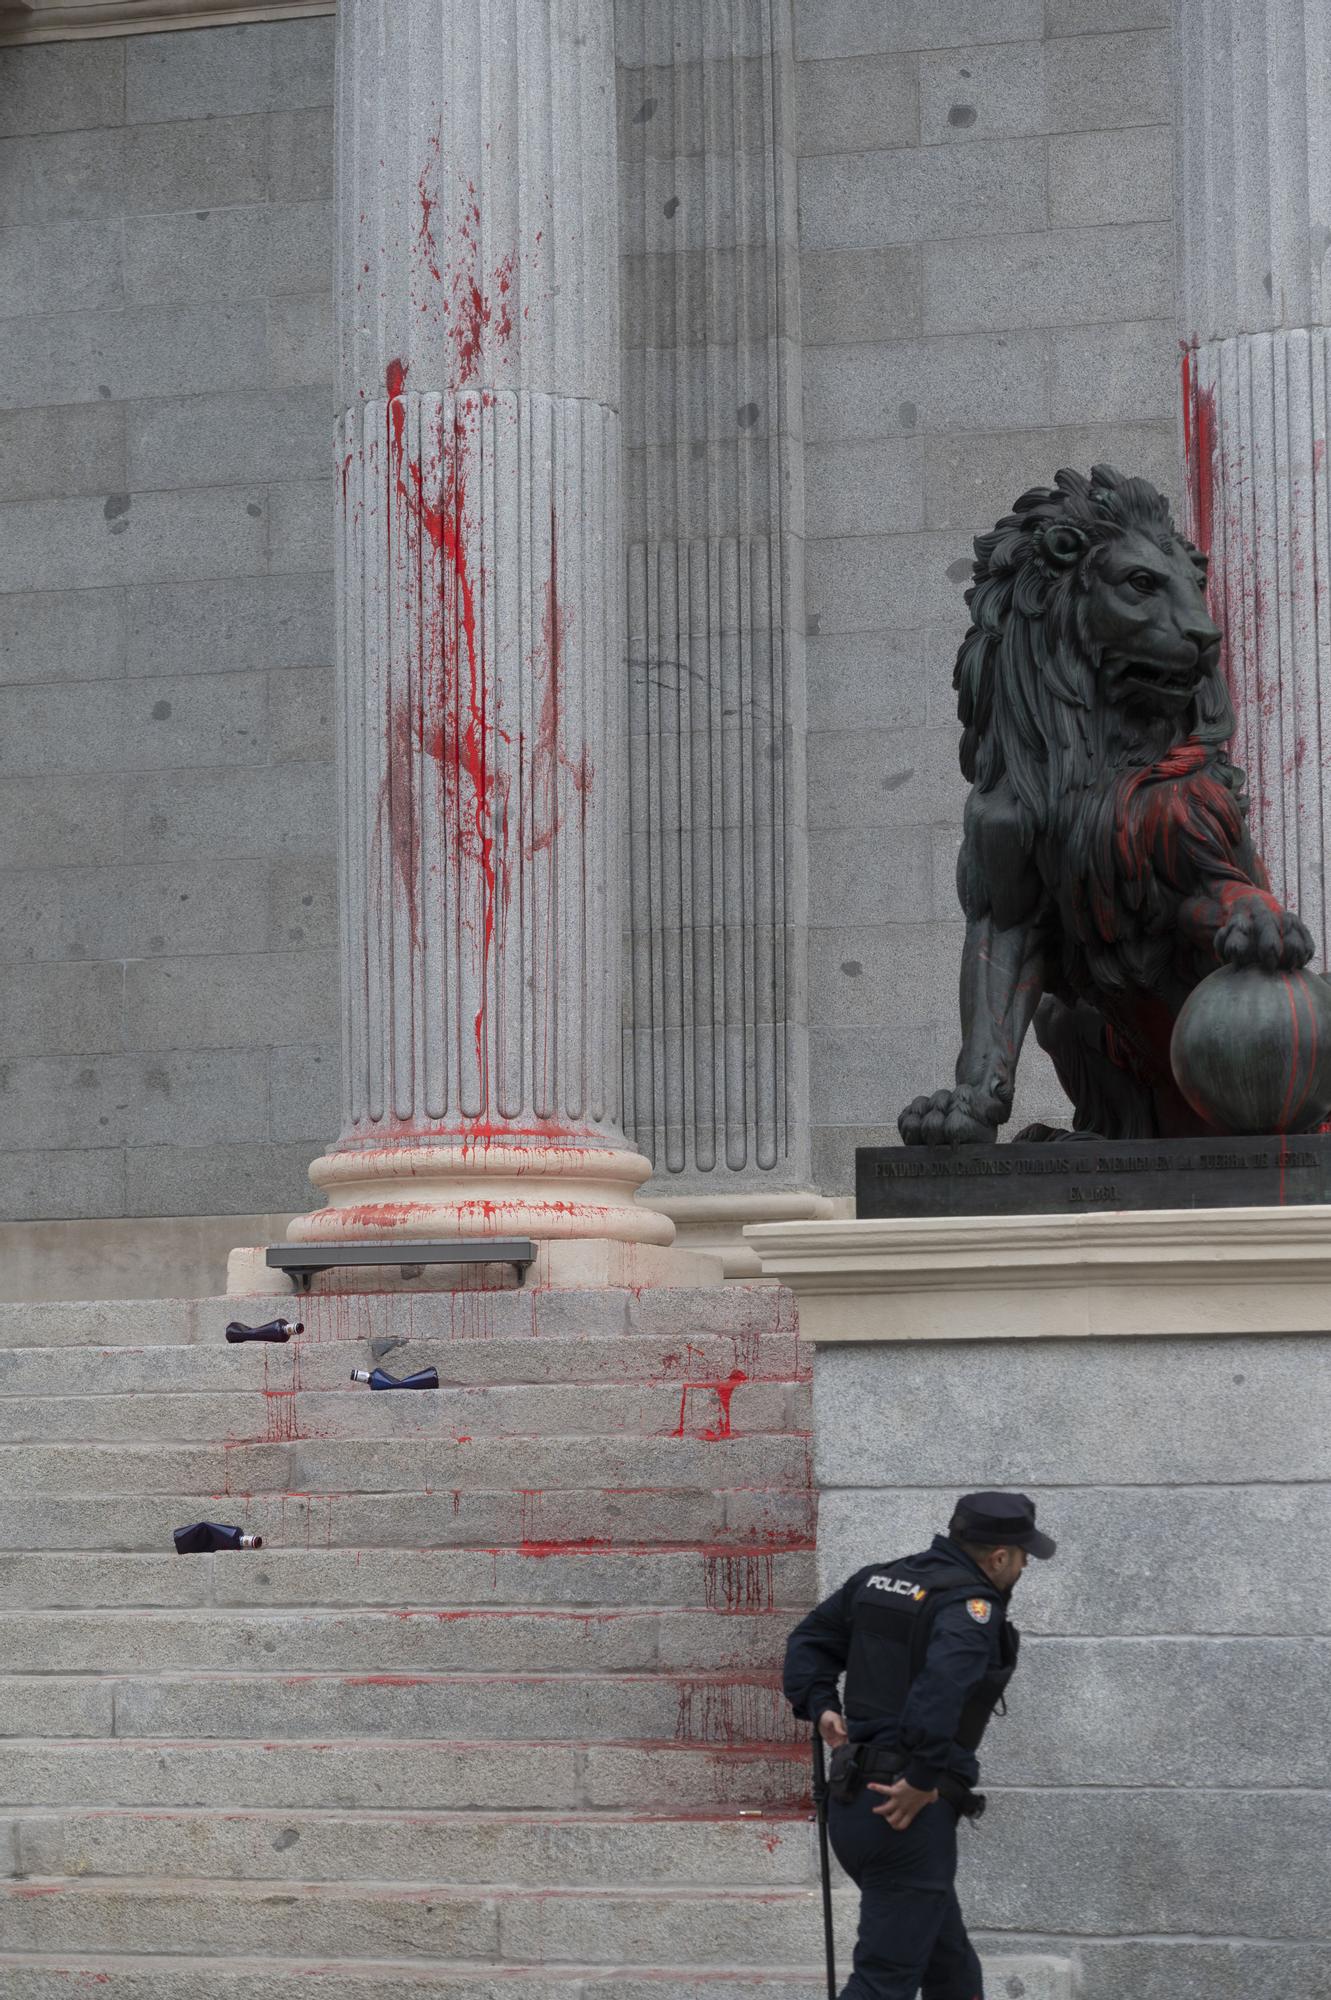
(1200, 440)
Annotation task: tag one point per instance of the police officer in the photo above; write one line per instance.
(927, 1651)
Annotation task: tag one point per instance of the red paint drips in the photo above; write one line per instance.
(724, 1393)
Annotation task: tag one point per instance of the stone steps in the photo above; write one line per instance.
(290, 1462)
(651, 1359)
(483, 1923)
(459, 1640)
(582, 1706)
(495, 1707)
(746, 1319)
(759, 1519)
(601, 1409)
(427, 1774)
(589, 1849)
(717, 1579)
(54, 1977)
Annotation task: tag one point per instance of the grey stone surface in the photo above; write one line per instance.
(306, 1080)
(79, 1183)
(970, 481)
(283, 435)
(300, 341)
(1016, 321)
(847, 484)
(134, 725)
(866, 582)
(1112, 273)
(301, 714)
(223, 625)
(212, 72)
(180, 351)
(62, 451)
(59, 86)
(1053, 1412)
(861, 295)
(62, 267)
(905, 195)
(1111, 177)
(132, 538)
(196, 1097)
(984, 382)
(54, 635)
(1192, 1969)
(828, 28)
(48, 820)
(228, 253)
(1089, 17)
(64, 1009)
(214, 197)
(1133, 1560)
(879, 777)
(300, 525)
(1115, 373)
(879, 677)
(1166, 1862)
(872, 102)
(1110, 83)
(244, 814)
(194, 1003)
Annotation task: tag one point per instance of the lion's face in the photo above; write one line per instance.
(1146, 612)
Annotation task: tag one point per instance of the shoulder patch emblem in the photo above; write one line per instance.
(980, 1609)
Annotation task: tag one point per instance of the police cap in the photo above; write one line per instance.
(1001, 1520)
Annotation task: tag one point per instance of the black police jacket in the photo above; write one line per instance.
(927, 1650)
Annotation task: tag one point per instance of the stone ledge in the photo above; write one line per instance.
(49, 21)
(1165, 1272)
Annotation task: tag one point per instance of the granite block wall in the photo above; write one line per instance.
(168, 996)
(1160, 1790)
(987, 265)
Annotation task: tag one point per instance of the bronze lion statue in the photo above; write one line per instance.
(1106, 864)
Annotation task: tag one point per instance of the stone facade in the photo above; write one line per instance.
(987, 267)
(1160, 1786)
(983, 289)
(168, 927)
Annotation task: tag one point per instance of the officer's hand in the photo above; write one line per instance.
(832, 1728)
(903, 1803)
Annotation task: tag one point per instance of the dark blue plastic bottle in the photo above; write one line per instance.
(201, 1536)
(272, 1329)
(425, 1378)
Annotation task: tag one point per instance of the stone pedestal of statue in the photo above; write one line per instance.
(1161, 1384)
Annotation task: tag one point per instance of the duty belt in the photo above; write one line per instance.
(853, 1764)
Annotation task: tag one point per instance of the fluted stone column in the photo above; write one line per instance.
(480, 595)
(1254, 188)
(716, 1083)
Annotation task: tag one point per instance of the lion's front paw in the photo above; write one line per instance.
(960, 1117)
(1258, 934)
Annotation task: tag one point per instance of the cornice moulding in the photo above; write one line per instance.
(1163, 1273)
(47, 21)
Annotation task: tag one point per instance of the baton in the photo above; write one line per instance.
(820, 1807)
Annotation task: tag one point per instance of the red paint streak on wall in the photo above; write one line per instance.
(724, 1392)
(1200, 440)
(737, 1582)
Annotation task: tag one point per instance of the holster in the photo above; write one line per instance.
(853, 1764)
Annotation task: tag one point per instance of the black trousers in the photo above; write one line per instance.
(912, 1939)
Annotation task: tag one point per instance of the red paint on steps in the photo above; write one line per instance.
(724, 1392)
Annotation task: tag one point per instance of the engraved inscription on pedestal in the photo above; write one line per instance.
(1081, 1176)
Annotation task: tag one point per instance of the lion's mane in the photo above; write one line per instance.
(1026, 674)
(1135, 807)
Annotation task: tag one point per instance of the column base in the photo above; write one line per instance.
(477, 1187)
(562, 1265)
(715, 1223)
